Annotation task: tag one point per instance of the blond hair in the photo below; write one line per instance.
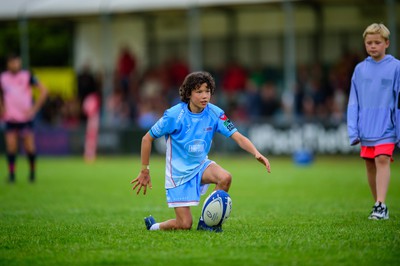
(377, 28)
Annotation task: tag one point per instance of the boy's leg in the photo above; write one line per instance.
(382, 177)
(183, 221)
(378, 171)
(12, 146)
(380, 210)
(371, 174)
(29, 145)
(215, 174)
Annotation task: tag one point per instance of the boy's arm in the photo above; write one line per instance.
(1, 102)
(143, 179)
(397, 105)
(352, 114)
(147, 143)
(397, 108)
(40, 101)
(248, 146)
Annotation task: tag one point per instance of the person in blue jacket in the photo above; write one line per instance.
(371, 113)
(189, 128)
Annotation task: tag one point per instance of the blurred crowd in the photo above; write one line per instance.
(138, 99)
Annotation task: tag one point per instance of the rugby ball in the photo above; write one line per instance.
(216, 208)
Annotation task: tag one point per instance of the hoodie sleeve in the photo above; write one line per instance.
(397, 112)
(352, 113)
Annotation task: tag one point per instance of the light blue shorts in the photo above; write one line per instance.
(188, 194)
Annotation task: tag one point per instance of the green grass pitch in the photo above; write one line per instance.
(87, 214)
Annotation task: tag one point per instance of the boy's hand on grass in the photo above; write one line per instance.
(143, 180)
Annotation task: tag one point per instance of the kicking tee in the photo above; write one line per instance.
(189, 138)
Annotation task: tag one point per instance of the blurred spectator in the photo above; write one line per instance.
(51, 111)
(126, 66)
(18, 109)
(164, 78)
(339, 79)
(117, 110)
(148, 115)
(238, 113)
(234, 78)
(257, 76)
(319, 97)
(337, 103)
(300, 91)
(178, 70)
(151, 86)
(252, 99)
(87, 85)
(320, 93)
(70, 113)
(270, 102)
(91, 107)
(308, 109)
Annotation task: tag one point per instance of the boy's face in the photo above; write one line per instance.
(376, 46)
(14, 64)
(199, 98)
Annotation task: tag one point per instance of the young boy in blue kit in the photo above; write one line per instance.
(189, 128)
(371, 113)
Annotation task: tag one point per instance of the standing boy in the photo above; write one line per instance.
(18, 110)
(371, 113)
(189, 128)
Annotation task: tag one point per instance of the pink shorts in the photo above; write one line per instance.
(370, 152)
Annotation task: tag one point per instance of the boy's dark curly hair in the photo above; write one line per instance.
(194, 81)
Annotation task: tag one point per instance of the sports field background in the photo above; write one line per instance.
(86, 214)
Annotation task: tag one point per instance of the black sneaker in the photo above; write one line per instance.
(149, 221)
(379, 212)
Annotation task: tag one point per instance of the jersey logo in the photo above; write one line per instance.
(227, 123)
(157, 128)
(188, 128)
(180, 115)
(196, 148)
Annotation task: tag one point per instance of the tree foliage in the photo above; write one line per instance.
(50, 42)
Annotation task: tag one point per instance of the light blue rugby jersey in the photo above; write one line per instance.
(189, 137)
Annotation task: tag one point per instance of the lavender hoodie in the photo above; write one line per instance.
(371, 111)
